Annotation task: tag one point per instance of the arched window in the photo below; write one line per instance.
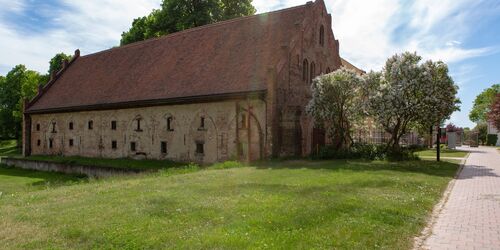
(90, 125)
(305, 66)
(313, 72)
(322, 35)
(53, 127)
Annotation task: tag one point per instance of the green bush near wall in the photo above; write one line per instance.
(491, 140)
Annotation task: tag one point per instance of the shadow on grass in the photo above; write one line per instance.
(444, 169)
(47, 178)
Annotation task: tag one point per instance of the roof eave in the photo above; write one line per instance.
(260, 94)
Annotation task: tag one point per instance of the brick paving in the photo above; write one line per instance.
(470, 218)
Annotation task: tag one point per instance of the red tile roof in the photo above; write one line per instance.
(227, 57)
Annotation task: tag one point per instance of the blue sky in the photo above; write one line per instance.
(463, 33)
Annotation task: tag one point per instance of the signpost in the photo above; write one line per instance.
(438, 143)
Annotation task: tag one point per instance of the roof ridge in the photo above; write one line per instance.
(183, 32)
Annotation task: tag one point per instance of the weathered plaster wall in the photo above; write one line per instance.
(224, 135)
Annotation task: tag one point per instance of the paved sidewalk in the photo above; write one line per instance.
(470, 218)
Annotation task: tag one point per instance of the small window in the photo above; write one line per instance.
(91, 125)
(38, 143)
(71, 126)
(114, 145)
(305, 67)
(328, 70)
(51, 142)
(132, 146)
(169, 124)
(138, 124)
(113, 125)
(71, 142)
(163, 147)
(53, 127)
(38, 127)
(200, 148)
(322, 35)
(202, 122)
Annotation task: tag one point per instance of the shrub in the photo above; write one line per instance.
(491, 140)
(417, 147)
(357, 151)
(367, 152)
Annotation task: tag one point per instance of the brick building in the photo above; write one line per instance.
(231, 90)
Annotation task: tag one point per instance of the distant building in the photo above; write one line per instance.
(494, 131)
(231, 90)
(348, 65)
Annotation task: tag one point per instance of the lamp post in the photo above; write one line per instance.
(438, 143)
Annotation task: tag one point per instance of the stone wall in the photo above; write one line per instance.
(201, 132)
(90, 171)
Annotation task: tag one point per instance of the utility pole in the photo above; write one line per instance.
(438, 143)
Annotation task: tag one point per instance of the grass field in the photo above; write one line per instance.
(294, 204)
(444, 153)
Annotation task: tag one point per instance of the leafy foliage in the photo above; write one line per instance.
(494, 113)
(57, 61)
(178, 15)
(483, 102)
(482, 130)
(336, 103)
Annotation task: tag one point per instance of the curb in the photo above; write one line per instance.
(427, 231)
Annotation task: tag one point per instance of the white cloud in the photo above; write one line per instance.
(369, 31)
(89, 25)
(14, 6)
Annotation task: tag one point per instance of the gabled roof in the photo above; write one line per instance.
(224, 58)
(349, 65)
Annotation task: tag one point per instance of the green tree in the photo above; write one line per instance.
(178, 15)
(55, 64)
(482, 104)
(19, 83)
(336, 104)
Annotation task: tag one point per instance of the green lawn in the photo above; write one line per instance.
(285, 205)
(444, 153)
(9, 148)
(113, 163)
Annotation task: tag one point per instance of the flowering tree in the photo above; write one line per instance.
(440, 101)
(336, 104)
(452, 128)
(494, 113)
(407, 93)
